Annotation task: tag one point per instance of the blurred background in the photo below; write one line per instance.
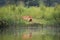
(45, 23)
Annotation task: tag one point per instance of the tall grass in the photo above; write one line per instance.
(46, 14)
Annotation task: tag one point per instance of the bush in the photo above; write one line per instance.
(48, 15)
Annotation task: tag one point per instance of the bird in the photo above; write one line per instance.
(27, 18)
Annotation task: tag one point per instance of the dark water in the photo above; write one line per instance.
(49, 32)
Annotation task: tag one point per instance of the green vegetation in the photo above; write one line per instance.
(44, 15)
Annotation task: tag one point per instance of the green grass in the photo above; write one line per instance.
(42, 12)
(42, 15)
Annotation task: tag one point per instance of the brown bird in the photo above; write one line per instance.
(27, 18)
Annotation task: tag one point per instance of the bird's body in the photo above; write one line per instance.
(27, 18)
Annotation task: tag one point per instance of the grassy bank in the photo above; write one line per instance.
(11, 15)
(46, 15)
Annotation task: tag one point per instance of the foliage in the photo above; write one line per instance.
(50, 15)
(12, 15)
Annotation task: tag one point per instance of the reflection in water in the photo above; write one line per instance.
(39, 32)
